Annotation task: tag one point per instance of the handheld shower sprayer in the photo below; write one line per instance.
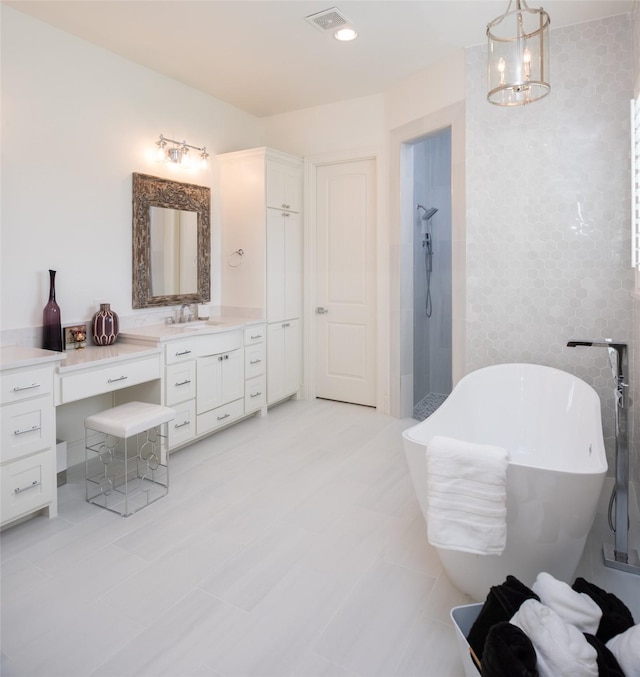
(427, 244)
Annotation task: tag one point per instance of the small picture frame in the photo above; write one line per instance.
(75, 336)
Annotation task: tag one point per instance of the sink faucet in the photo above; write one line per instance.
(185, 313)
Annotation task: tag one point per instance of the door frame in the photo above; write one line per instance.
(311, 165)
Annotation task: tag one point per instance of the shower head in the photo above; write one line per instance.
(428, 213)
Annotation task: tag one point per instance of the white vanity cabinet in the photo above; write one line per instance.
(28, 440)
(261, 201)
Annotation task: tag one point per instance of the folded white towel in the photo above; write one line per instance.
(626, 648)
(467, 496)
(561, 649)
(573, 607)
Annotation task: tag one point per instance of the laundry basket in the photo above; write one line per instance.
(463, 618)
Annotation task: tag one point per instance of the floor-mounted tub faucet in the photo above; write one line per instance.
(618, 556)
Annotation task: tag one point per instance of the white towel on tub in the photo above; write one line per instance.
(467, 496)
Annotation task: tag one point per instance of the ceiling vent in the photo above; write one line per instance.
(328, 19)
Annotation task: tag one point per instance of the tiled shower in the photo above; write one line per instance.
(432, 317)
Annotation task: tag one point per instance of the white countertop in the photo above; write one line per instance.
(98, 356)
(169, 332)
(13, 357)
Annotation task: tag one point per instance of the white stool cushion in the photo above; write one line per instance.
(129, 419)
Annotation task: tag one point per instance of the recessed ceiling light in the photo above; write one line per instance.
(345, 34)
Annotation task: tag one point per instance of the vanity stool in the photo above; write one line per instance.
(126, 456)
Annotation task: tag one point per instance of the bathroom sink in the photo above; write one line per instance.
(198, 325)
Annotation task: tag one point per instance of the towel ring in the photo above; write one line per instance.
(236, 258)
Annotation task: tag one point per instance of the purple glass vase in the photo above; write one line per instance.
(51, 325)
(105, 326)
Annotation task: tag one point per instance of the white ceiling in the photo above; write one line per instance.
(263, 57)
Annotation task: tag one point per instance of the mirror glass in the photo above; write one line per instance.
(171, 242)
(174, 251)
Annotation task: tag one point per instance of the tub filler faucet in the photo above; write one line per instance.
(618, 556)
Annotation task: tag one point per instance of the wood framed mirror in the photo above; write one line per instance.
(171, 242)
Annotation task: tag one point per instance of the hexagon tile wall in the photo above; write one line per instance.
(548, 203)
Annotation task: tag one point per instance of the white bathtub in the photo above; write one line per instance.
(550, 423)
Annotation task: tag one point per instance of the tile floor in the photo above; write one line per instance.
(290, 545)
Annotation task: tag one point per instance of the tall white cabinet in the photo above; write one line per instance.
(261, 202)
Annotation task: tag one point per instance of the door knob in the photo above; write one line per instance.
(321, 311)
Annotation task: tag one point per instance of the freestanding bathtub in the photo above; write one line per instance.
(550, 423)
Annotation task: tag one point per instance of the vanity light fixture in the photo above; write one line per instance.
(518, 55)
(178, 152)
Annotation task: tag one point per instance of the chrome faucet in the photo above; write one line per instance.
(185, 313)
(619, 557)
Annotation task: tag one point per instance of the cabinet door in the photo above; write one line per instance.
(208, 383)
(284, 363)
(284, 265)
(275, 362)
(220, 379)
(232, 376)
(284, 186)
(293, 356)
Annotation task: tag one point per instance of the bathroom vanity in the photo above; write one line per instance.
(28, 444)
(213, 373)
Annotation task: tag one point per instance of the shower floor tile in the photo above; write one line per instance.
(428, 405)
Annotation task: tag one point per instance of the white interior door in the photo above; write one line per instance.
(345, 287)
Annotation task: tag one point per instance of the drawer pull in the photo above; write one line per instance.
(19, 490)
(286, 324)
(183, 352)
(181, 425)
(184, 383)
(255, 361)
(221, 418)
(226, 357)
(256, 394)
(256, 337)
(17, 389)
(28, 430)
(115, 380)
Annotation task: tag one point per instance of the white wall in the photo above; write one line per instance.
(76, 122)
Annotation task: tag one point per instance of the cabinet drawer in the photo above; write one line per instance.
(180, 382)
(180, 351)
(27, 427)
(108, 379)
(254, 334)
(20, 385)
(216, 418)
(255, 394)
(26, 485)
(183, 426)
(254, 361)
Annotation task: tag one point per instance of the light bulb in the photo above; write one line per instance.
(526, 59)
(345, 34)
(502, 64)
